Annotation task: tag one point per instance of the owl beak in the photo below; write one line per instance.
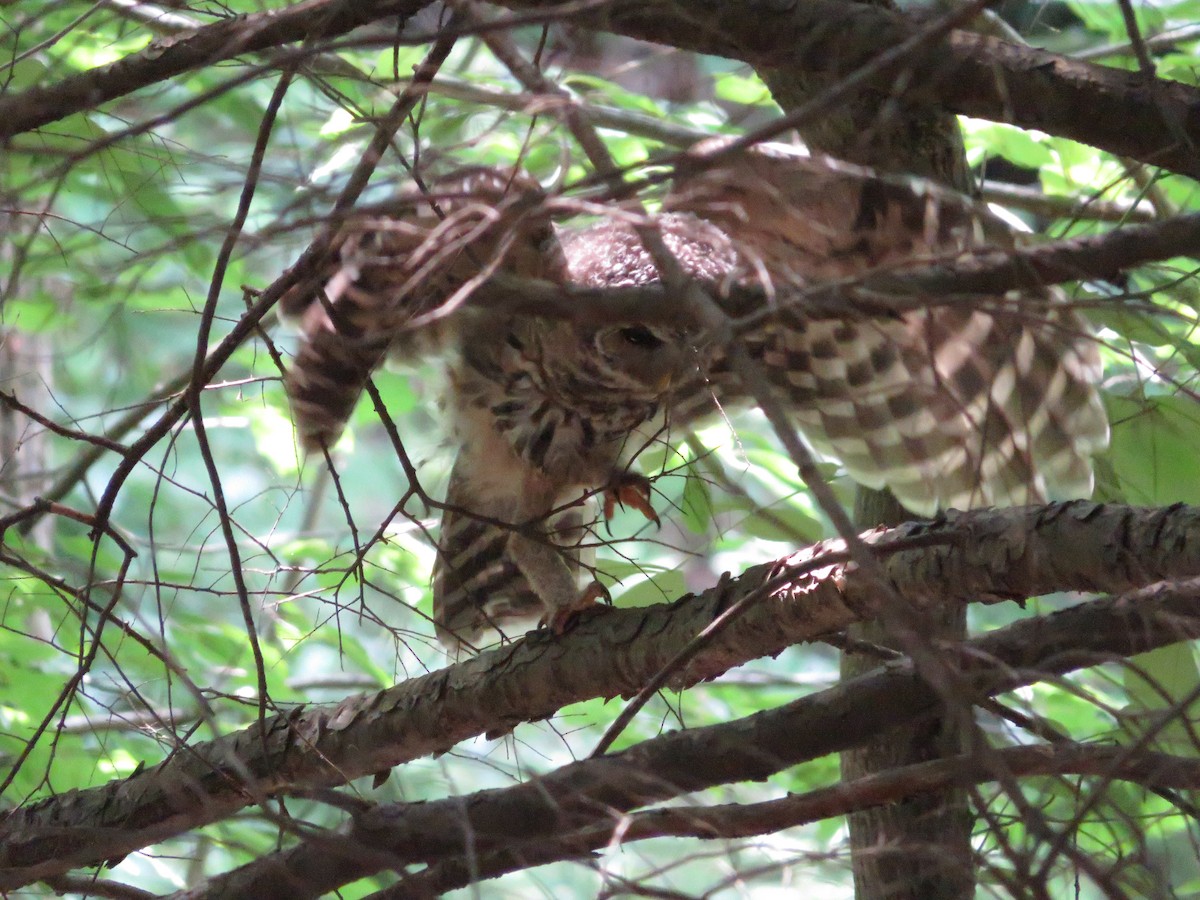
(664, 383)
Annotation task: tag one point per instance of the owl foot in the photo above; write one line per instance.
(630, 489)
(564, 616)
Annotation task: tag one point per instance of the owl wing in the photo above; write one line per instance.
(386, 273)
(945, 405)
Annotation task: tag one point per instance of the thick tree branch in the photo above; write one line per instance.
(1075, 259)
(987, 555)
(170, 56)
(595, 793)
(730, 821)
(991, 273)
(1154, 121)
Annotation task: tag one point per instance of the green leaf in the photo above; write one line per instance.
(612, 93)
(696, 503)
(1164, 684)
(748, 90)
(275, 439)
(1107, 19)
(783, 522)
(1025, 148)
(664, 587)
(1155, 450)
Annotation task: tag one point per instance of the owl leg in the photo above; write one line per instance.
(630, 489)
(563, 617)
(544, 567)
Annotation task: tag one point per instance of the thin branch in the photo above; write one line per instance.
(1059, 206)
(101, 443)
(1164, 40)
(731, 821)
(534, 102)
(990, 273)
(1136, 43)
(596, 792)
(988, 555)
(195, 390)
(159, 20)
(97, 887)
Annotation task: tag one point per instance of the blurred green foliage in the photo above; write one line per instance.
(113, 221)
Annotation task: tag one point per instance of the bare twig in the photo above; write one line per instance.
(196, 389)
(594, 793)
(732, 820)
(993, 555)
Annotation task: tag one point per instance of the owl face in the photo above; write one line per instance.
(644, 360)
(600, 370)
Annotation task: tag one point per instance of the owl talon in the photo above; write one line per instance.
(564, 617)
(630, 489)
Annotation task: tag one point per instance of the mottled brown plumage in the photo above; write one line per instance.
(543, 412)
(541, 409)
(951, 405)
(946, 404)
(388, 271)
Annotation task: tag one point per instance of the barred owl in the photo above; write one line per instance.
(947, 405)
(541, 409)
(544, 411)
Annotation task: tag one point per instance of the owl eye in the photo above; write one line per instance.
(640, 336)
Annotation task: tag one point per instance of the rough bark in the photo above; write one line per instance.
(968, 557)
(919, 849)
(595, 793)
(1151, 120)
(1149, 770)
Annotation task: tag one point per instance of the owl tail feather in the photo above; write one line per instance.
(328, 376)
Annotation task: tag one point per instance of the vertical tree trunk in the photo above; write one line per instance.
(920, 849)
(24, 373)
(24, 467)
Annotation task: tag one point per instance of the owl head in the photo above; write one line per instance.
(645, 359)
(612, 366)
